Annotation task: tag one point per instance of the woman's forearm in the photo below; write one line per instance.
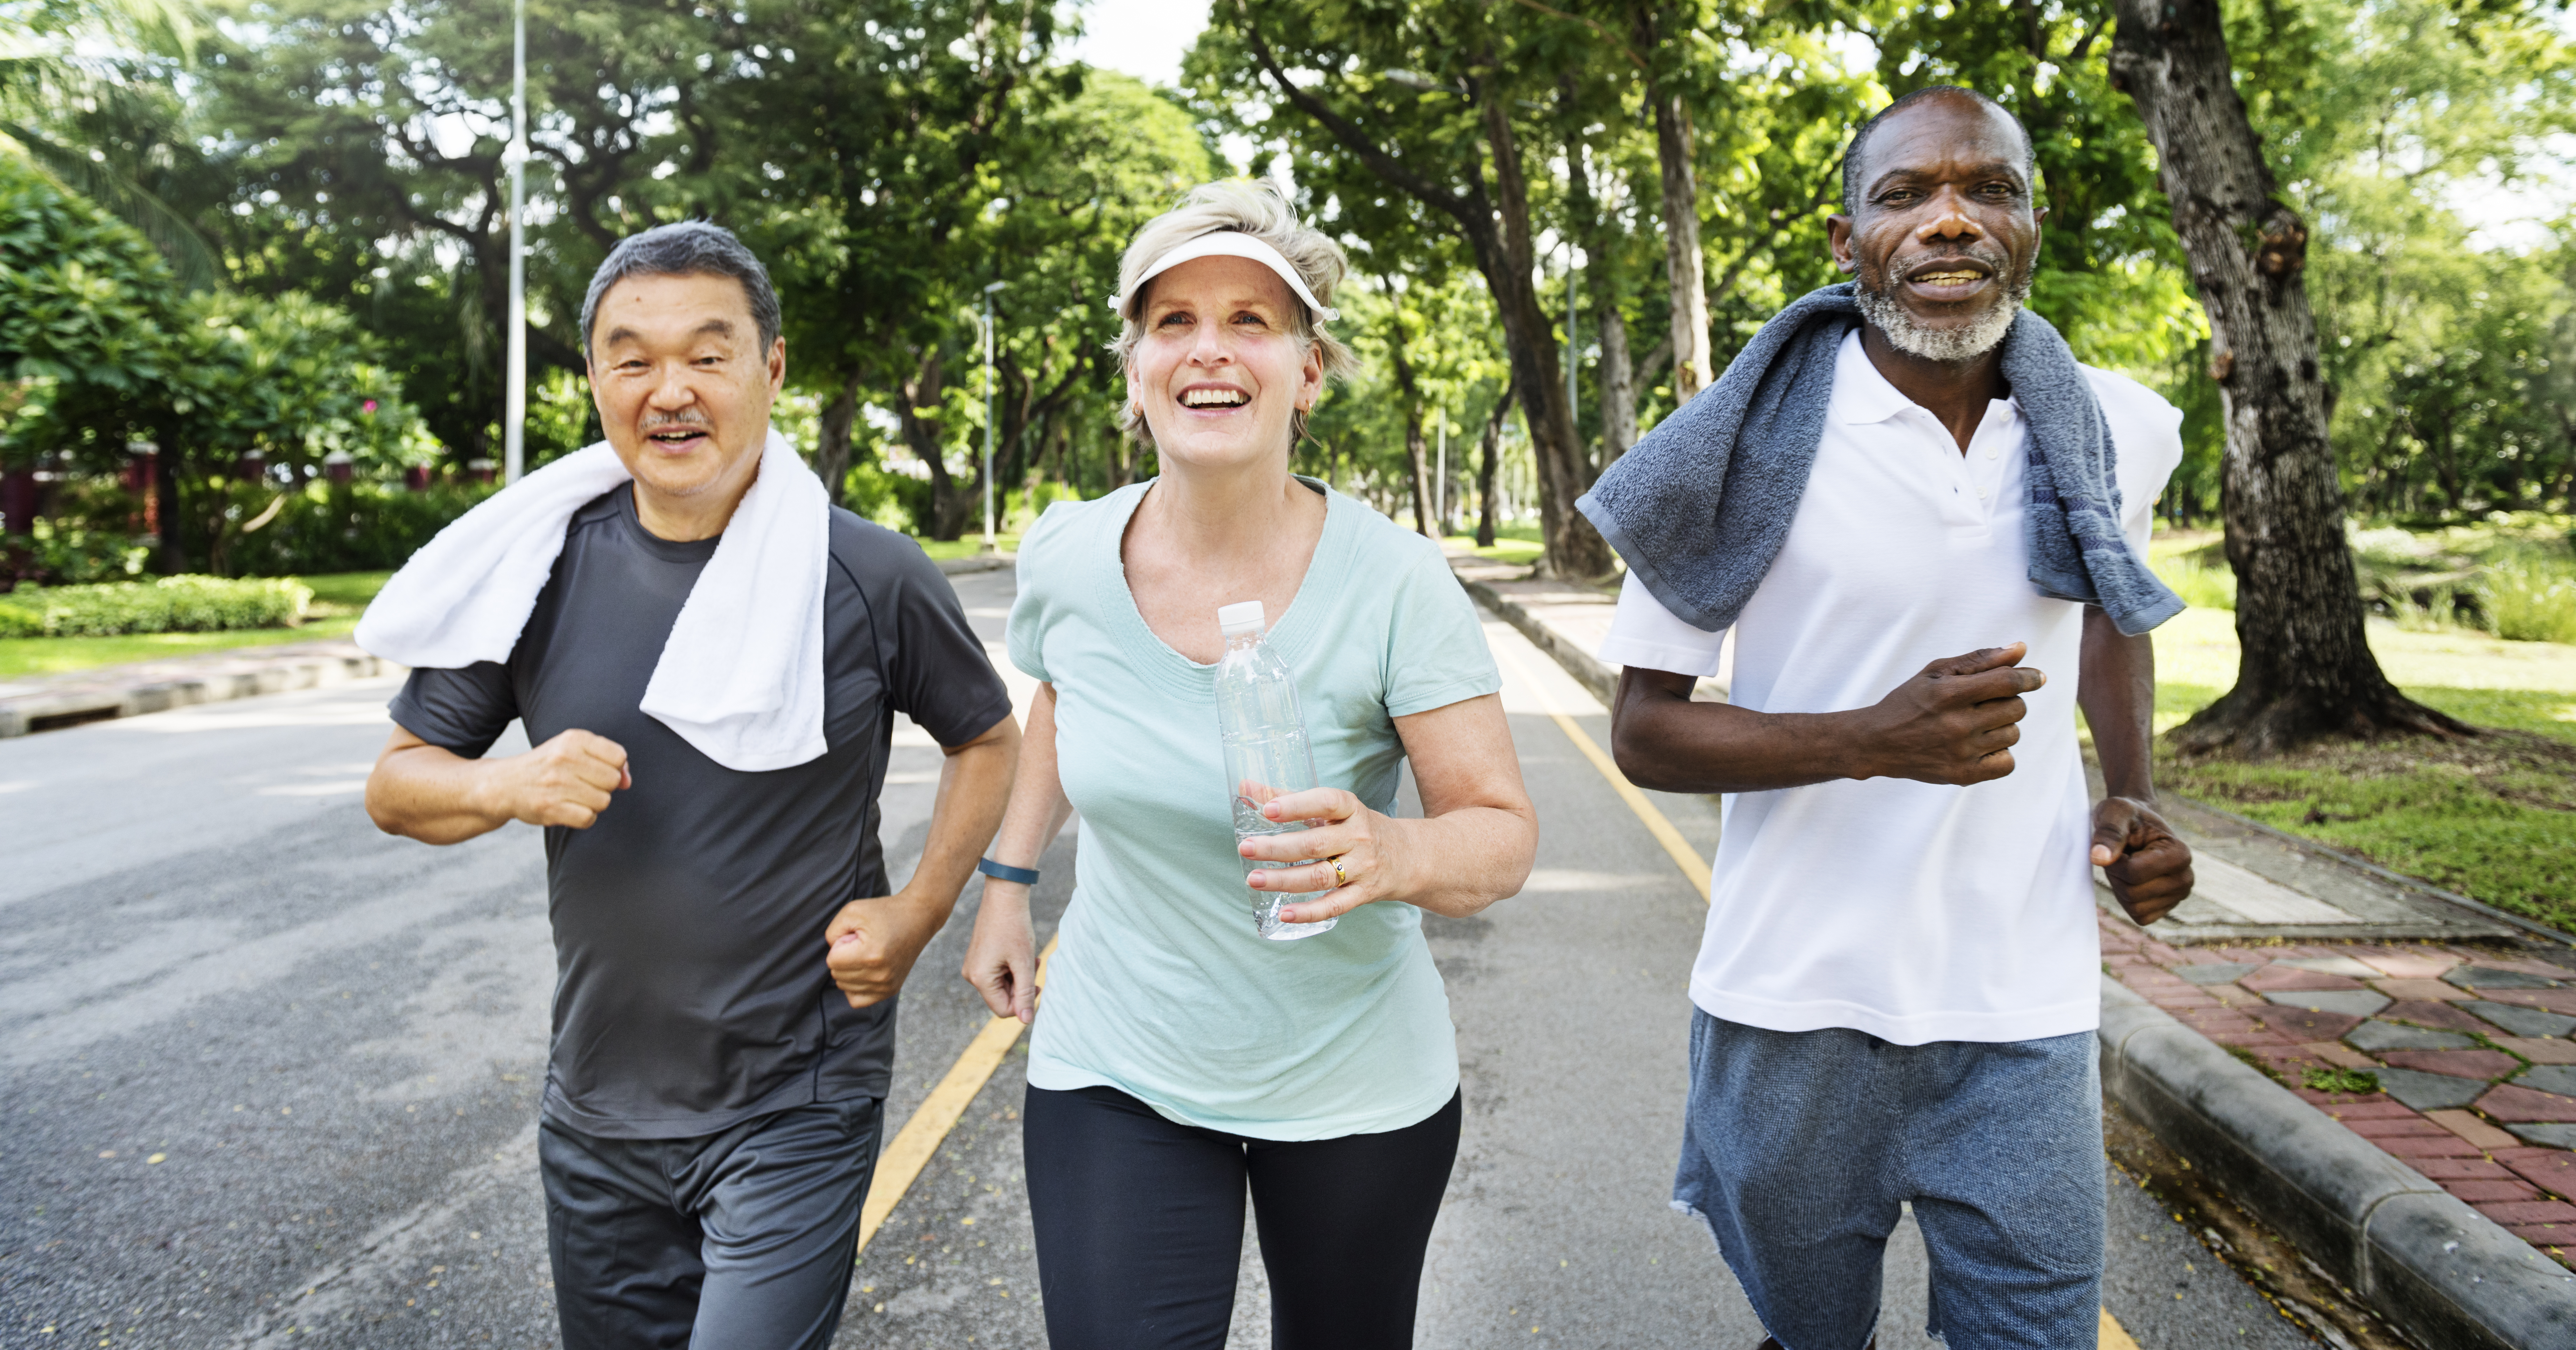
(1460, 861)
(1038, 807)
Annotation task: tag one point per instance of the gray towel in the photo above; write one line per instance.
(1699, 508)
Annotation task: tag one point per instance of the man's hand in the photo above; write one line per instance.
(565, 781)
(2148, 867)
(1955, 723)
(432, 794)
(871, 945)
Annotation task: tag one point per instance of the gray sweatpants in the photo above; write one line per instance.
(741, 1240)
(1801, 1148)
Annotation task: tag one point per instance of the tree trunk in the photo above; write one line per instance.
(1506, 257)
(950, 503)
(1488, 464)
(1618, 387)
(2307, 671)
(1574, 548)
(1683, 263)
(832, 440)
(1415, 469)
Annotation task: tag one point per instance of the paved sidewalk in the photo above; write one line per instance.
(51, 702)
(2475, 1072)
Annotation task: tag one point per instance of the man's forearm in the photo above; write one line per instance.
(974, 786)
(1664, 741)
(433, 795)
(2117, 690)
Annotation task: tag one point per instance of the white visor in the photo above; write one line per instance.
(1229, 244)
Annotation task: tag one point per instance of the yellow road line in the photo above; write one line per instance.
(901, 1163)
(1693, 866)
(2112, 1336)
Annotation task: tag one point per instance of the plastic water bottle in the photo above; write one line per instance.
(1266, 751)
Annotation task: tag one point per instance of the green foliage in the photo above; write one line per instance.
(2513, 574)
(2340, 1080)
(344, 528)
(2201, 583)
(180, 604)
(81, 294)
(2528, 600)
(68, 552)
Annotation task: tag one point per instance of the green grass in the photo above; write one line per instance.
(53, 656)
(2493, 819)
(337, 600)
(1515, 544)
(965, 546)
(2340, 1080)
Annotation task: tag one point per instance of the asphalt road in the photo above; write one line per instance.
(270, 1077)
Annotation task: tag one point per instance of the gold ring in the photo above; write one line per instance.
(1340, 877)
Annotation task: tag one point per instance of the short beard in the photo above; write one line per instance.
(1949, 346)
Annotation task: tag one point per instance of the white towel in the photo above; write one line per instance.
(740, 677)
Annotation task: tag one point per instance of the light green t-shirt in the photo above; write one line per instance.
(1159, 986)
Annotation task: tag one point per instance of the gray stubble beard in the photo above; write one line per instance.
(1949, 346)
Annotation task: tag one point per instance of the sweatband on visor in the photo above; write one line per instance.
(1228, 244)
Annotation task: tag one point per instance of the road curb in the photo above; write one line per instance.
(1587, 669)
(2444, 1273)
(981, 562)
(234, 676)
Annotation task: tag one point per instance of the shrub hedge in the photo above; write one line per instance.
(183, 604)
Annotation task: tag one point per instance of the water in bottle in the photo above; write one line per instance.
(1266, 751)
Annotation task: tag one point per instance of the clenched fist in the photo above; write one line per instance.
(1955, 723)
(565, 781)
(2148, 868)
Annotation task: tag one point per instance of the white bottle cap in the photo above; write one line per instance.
(1243, 618)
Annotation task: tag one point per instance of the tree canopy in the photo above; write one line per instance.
(1526, 163)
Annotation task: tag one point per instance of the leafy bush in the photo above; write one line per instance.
(2527, 600)
(183, 604)
(65, 553)
(357, 527)
(2201, 585)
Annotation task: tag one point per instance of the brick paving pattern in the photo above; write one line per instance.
(2471, 1051)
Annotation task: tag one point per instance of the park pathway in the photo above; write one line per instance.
(271, 1076)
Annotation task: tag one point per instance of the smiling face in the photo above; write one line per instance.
(682, 383)
(1944, 235)
(1220, 372)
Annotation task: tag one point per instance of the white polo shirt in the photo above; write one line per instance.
(1912, 911)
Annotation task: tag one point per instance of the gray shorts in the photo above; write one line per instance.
(1800, 1148)
(742, 1239)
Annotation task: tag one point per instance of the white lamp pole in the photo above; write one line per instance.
(1440, 499)
(514, 410)
(988, 413)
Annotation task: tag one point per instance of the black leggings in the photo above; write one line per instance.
(1140, 1226)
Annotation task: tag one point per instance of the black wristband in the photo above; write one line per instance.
(1026, 876)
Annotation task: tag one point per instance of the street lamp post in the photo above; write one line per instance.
(514, 411)
(989, 545)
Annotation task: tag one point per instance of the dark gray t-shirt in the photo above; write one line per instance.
(690, 988)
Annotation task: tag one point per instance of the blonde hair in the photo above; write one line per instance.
(1250, 206)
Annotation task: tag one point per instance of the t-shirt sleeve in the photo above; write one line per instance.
(462, 710)
(937, 672)
(1645, 634)
(1437, 653)
(2147, 430)
(1041, 557)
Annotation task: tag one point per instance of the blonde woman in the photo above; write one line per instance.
(1183, 1059)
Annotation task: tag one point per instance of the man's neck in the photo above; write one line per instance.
(703, 514)
(1955, 393)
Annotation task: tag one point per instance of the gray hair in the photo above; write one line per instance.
(1860, 138)
(685, 248)
(1255, 207)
